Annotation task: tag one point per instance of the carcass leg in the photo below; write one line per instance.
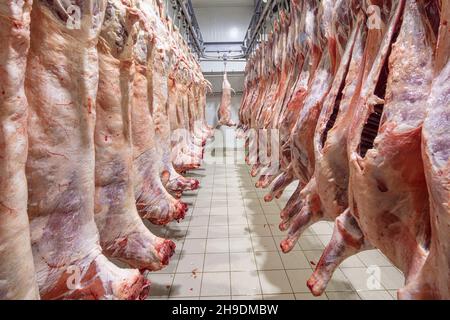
(299, 220)
(347, 240)
(279, 185)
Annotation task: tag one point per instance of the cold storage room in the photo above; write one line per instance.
(224, 150)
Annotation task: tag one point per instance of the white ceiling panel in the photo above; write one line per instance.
(223, 3)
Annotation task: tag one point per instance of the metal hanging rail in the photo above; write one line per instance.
(184, 12)
(263, 13)
(191, 21)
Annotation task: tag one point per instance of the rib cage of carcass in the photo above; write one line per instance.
(358, 93)
(89, 110)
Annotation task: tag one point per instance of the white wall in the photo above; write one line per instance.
(236, 81)
(223, 24)
(218, 66)
(224, 21)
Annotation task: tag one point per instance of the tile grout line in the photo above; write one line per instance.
(182, 248)
(207, 234)
(253, 250)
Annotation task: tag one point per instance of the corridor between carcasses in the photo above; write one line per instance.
(229, 244)
(224, 150)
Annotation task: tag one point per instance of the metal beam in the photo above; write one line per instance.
(268, 8)
(190, 18)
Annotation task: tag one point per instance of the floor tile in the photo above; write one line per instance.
(275, 230)
(235, 210)
(215, 232)
(218, 204)
(273, 219)
(268, 261)
(199, 221)
(194, 246)
(361, 279)
(197, 232)
(298, 279)
(310, 243)
(216, 284)
(274, 282)
(190, 263)
(309, 296)
(345, 295)
(393, 294)
(245, 283)
(238, 231)
(176, 232)
(322, 228)
(219, 245)
(215, 262)
(373, 258)
(161, 284)
(391, 278)
(203, 203)
(295, 260)
(186, 285)
(258, 219)
(201, 212)
(237, 220)
(375, 295)
(216, 298)
(260, 231)
(249, 297)
(313, 257)
(243, 244)
(242, 262)
(264, 244)
(352, 262)
(271, 209)
(218, 220)
(282, 296)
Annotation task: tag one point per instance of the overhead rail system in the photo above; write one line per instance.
(183, 15)
(261, 22)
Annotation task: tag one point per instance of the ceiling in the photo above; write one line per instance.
(223, 3)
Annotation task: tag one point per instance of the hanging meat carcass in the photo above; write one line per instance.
(154, 202)
(191, 151)
(61, 87)
(186, 154)
(268, 137)
(224, 112)
(321, 77)
(387, 191)
(307, 62)
(158, 60)
(267, 98)
(180, 182)
(377, 105)
(123, 235)
(17, 272)
(176, 182)
(309, 205)
(433, 281)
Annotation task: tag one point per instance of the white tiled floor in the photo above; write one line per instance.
(228, 248)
